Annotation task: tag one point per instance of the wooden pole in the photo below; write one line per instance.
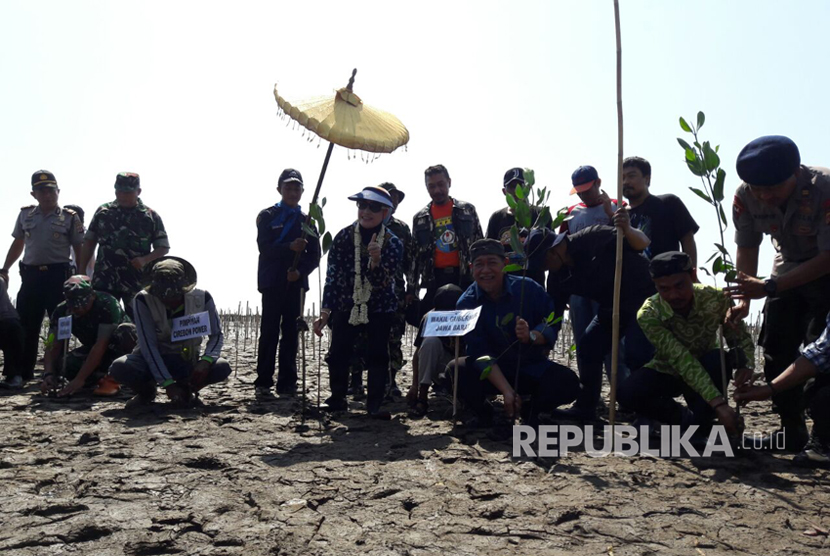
(455, 381)
(615, 338)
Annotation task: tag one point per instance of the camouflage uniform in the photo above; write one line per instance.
(106, 318)
(123, 234)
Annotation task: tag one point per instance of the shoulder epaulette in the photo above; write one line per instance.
(73, 212)
(27, 207)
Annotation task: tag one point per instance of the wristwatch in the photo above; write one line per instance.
(533, 336)
(770, 286)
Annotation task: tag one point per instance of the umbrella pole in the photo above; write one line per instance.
(615, 338)
(314, 201)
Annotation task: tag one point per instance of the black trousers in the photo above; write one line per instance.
(557, 386)
(817, 397)
(11, 344)
(343, 342)
(280, 309)
(651, 393)
(41, 289)
(794, 317)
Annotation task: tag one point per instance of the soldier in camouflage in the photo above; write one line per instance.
(130, 235)
(396, 361)
(103, 330)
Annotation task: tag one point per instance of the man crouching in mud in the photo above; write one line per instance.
(168, 349)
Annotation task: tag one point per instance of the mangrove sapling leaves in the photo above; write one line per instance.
(701, 117)
(309, 230)
(684, 126)
(327, 239)
(702, 195)
(513, 267)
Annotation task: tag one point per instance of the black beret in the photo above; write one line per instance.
(768, 160)
(486, 247)
(668, 263)
(446, 297)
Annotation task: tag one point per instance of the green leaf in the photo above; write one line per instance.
(701, 117)
(321, 226)
(507, 318)
(702, 195)
(324, 201)
(523, 215)
(710, 157)
(544, 218)
(723, 216)
(513, 268)
(717, 266)
(684, 144)
(703, 268)
(684, 126)
(717, 190)
(515, 242)
(550, 317)
(696, 167)
(722, 249)
(485, 373)
(712, 256)
(520, 192)
(572, 348)
(315, 211)
(327, 239)
(530, 177)
(731, 276)
(309, 230)
(557, 320)
(690, 154)
(511, 201)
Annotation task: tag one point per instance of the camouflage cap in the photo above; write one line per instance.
(77, 290)
(127, 181)
(170, 276)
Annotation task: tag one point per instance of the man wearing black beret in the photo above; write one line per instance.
(790, 202)
(681, 321)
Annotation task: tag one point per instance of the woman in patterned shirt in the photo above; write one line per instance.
(359, 294)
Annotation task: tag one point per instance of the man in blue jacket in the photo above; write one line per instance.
(279, 238)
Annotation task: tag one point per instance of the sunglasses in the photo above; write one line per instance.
(371, 205)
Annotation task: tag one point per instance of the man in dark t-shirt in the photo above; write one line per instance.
(502, 220)
(583, 264)
(663, 218)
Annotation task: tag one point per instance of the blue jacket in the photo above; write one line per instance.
(275, 257)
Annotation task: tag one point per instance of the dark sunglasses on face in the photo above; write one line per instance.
(371, 205)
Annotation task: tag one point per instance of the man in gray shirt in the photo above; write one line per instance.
(43, 234)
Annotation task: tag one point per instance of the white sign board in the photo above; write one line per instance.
(190, 326)
(451, 323)
(65, 328)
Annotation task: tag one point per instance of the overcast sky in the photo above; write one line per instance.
(182, 93)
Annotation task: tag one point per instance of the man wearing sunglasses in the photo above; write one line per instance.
(443, 233)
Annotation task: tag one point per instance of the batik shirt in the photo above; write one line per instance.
(818, 353)
(338, 292)
(680, 341)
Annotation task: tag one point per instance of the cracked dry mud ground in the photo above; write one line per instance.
(241, 477)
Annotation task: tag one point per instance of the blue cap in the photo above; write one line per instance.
(374, 193)
(537, 244)
(583, 179)
(768, 160)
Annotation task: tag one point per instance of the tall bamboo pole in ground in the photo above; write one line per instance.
(615, 338)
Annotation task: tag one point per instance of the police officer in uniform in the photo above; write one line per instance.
(43, 234)
(791, 203)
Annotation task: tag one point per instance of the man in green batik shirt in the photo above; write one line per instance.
(130, 235)
(682, 322)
